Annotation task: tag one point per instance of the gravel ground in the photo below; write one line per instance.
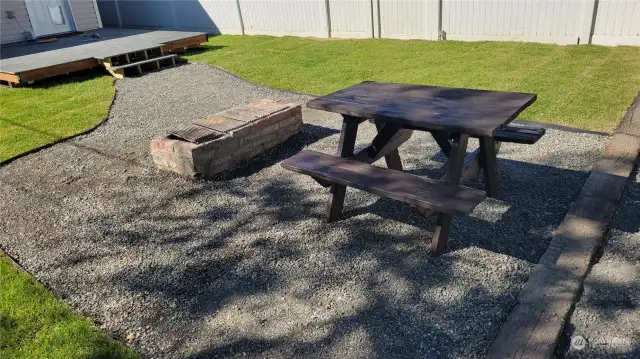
(608, 313)
(245, 266)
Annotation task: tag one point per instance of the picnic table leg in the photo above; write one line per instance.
(456, 165)
(393, 158)
(442, 139)
(345, 149)
(489, 164)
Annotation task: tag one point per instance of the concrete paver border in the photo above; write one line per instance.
(533, 328)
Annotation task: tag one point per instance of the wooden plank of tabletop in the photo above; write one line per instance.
(475, 112)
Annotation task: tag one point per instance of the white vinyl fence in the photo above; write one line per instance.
(605, 22)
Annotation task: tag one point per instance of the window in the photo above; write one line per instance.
(56, 15)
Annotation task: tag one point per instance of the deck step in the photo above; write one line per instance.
(417, 191)
(115, 55)
(141, 66)
(147, 61)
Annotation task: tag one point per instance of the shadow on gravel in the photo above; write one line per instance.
(607, 313)
(246, 264)
(516, 209)
(628, 214)
(254, 269)
(256, 279)
(267, 297)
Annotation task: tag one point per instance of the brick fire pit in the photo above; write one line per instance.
(226, 139)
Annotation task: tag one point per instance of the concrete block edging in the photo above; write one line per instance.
(546, 301)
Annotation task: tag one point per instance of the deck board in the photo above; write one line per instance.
(20, 58)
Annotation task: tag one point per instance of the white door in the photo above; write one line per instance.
(49, 16)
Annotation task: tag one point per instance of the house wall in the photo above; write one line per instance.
(10, 31)
(84, 14)
(605, 22)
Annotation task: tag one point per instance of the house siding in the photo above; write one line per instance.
(10, 31)
(84, 14)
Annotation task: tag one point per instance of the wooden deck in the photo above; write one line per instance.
(22, 64)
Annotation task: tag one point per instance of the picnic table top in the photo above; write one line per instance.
(475, 112)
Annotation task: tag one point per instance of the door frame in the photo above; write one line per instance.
(66, 4)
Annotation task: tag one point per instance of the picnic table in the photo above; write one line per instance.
(451, 115)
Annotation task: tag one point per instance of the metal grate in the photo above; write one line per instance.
(196, 134)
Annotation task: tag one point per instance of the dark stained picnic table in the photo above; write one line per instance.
(451, 115)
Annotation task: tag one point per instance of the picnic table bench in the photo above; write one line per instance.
(451, 115)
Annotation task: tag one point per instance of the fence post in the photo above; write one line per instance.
(589, 10)
(373, 23)
(240, 17)
(375, 19)
(328, 15)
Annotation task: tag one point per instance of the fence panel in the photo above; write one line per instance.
(214, 16)
(146, 13)
(285, 17)
(617, 22)
(351, 18)
(605, 22)
(408, 19)
(554, 21)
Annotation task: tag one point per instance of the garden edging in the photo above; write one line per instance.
(533, 328)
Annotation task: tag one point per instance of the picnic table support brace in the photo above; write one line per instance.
(345, 149)
(393, 158)
(456, 166)
(385, 144)
(484, 157)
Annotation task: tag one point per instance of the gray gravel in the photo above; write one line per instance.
(608, 313)
(245, 266)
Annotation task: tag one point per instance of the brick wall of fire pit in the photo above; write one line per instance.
(226, 139)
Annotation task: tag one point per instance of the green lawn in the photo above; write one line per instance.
(34, 324)
(34, 116)
(580, 86)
